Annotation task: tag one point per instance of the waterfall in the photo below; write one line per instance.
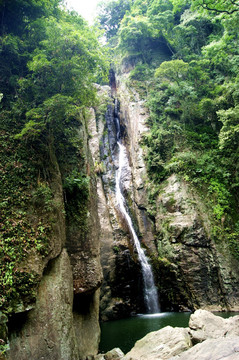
(150, 291)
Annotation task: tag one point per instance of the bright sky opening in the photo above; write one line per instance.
(86, 8)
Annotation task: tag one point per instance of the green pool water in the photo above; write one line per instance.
(124, 333)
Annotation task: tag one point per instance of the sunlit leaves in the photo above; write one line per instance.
(220, 6)
(67, 61)
(134, 34)
(174, 70)
(229, 135)
(110, 14)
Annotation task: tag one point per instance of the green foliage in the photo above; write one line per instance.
(175, 70)
(42, 197)
(66, 62)
(50, 60)
(134, 35)
(53, 115)
(77, 189)
(229, 134)
(219, 6)
(140, 72)
(193, 98)
(77, 183)
(21, 232)
(110, 14)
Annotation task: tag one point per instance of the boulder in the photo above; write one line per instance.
(213, 349)
(99, 357)
(205, 325)
(161, 344)
(115, 354)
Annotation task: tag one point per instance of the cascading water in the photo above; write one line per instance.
(150, 291)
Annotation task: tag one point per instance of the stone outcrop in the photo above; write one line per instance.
(188, 257)
(204, 325)
(48, 331)
(192, 270)
(161, 344)
(121, 292)
(115, 354)
(218, 340)
(213, 349)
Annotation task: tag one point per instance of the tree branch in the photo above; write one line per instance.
(229, 12)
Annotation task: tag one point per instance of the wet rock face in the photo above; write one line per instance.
(84, 250)
(125, 287)
(48, 331)
(191, 270)
(121, 292)
(133, 117)
(188, 259)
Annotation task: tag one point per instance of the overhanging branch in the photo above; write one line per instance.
(229, 12)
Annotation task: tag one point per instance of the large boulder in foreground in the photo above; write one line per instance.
(226, 348)
(204, 325)
(161, 344)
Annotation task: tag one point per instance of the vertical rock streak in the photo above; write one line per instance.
(150, 291)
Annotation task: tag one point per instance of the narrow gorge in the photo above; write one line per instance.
(119, 170)
(189, 269)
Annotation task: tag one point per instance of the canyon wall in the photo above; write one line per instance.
(63, 321)
(191, 270)
(88, 231)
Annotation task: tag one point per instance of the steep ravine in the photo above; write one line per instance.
(89, 234)
(120, 291)
(122, 288)
(191, 270)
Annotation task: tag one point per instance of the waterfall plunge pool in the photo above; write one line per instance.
(125, 332)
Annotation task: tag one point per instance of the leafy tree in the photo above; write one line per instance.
(229, 134)
(16, 15)
(66, 62)
(110, 14)
(191, 34)
(174, 70)
(134, 35)
(219, 6)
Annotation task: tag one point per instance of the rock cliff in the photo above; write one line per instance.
(191, 269)
(120, 292)
(63, 322)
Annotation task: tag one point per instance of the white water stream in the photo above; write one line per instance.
(150, 291)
